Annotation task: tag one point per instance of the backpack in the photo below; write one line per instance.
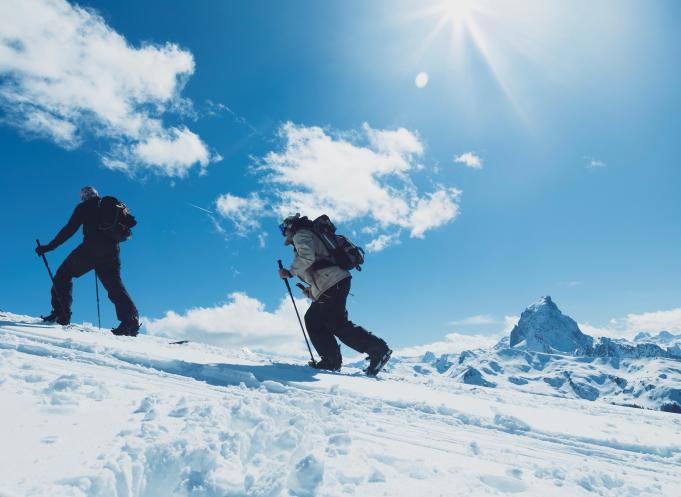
(344, 253)
(115, 219)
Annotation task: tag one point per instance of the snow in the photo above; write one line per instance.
(85, 413)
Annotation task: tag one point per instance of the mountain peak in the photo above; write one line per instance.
(544, 328)
(544, 301)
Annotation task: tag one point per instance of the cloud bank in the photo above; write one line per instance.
(65, 76)
(241, 321)
(361, 177)
(632, 324)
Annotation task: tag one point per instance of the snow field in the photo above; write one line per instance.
(88, 414)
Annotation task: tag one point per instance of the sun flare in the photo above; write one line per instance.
(466, 24)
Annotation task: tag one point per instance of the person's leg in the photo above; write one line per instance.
(349, 333)
(76, 264)
(109, 272)
(320, 336)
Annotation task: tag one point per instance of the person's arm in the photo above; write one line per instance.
(303, 241)
(71, 227)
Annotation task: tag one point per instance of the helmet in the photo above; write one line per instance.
(287, 223)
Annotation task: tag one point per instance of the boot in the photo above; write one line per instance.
(377, 361)
(328, 363)
(55, 317)
(127, 328)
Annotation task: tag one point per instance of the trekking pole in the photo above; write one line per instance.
(99, 319)
(49, 271)
(288, 287)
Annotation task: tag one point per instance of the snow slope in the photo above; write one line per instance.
(87, 413)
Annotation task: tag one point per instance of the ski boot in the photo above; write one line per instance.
(377, 361)
(127, 328)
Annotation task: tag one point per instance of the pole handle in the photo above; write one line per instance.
(281, 265)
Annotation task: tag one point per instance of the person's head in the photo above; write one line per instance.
(88, 192)
(286, 228)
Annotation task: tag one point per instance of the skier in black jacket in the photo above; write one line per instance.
(97, 252)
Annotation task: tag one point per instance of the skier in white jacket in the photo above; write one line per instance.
(329, 285)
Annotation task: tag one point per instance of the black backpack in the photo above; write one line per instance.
(344, 253)
(115, 219)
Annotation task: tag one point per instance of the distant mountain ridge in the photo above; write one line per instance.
(544, 328)
(548, 353)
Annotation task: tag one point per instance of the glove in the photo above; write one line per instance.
(40, 250)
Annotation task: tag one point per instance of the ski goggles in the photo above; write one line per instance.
(283, 227)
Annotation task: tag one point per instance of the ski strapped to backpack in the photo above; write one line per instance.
(115, 219)
(343, 252)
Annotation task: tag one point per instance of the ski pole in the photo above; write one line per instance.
(99, 319)
(288, 287)
(49, 271)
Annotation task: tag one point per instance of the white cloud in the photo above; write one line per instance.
(383, 241)
(656, 321)
(361, 176)
(452, 344)
(592, 163)
(242, 321)
(509, 323)
(469, 159)
(477, 320)
(631, 324)
(66, 75)
(397, 143)
(434, 210)
(177, 152)
(244, 212)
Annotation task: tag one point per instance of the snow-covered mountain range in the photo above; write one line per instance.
(547, 353)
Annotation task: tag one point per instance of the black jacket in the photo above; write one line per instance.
(85, 214)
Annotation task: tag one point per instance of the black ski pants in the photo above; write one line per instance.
(107, 264)
(327, 318)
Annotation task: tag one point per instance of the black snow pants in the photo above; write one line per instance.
(107, 264)
(327, 316)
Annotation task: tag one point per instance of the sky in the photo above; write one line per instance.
(484, 153)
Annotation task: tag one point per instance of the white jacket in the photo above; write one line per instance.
(308, 249)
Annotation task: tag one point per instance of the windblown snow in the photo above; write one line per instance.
(85, 413)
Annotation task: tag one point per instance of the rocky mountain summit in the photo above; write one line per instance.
(547, 353)
(543, 328)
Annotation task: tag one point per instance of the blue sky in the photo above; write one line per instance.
(572, 109)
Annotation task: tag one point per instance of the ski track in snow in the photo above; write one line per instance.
(85, 413)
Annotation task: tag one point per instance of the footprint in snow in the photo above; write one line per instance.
(306, 477)
(504, 484)
(339, 444)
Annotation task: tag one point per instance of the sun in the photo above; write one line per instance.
(466, 22)
(459, 10)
